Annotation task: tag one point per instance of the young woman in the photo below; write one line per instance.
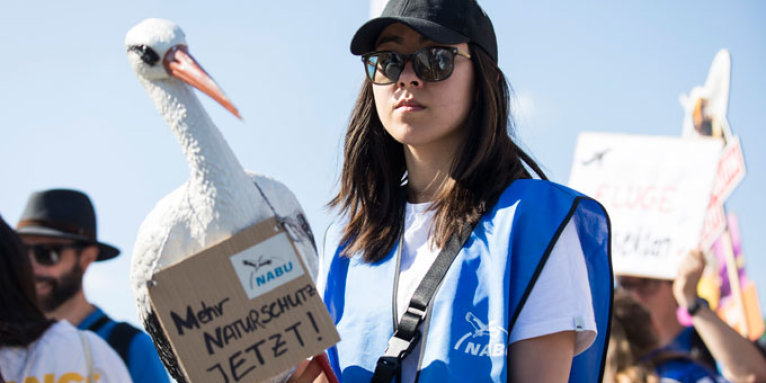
(33, 348)
(429, 166)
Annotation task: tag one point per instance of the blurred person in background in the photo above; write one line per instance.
(34, 348)
(635, 356)
(59, 228)
(628, 341)
(710, 340)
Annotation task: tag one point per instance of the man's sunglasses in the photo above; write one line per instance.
(640, 286)
(430, 64)
(49, 255)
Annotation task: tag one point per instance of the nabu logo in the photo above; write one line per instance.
(267, 265)
(485, 339)
(267, 269)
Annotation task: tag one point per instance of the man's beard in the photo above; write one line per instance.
(62, 288)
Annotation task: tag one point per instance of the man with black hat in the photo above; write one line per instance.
(59, 228)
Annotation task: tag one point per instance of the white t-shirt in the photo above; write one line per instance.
(560, 300)
(59, 355)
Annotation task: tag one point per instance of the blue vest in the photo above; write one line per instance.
(465, 336)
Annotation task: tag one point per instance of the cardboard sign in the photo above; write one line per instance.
(656, 191)
(242, 310)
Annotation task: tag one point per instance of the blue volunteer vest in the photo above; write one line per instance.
(465, 335)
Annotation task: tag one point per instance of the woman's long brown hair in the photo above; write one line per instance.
(21, 321)
(373, 181)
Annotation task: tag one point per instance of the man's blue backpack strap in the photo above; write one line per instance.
(119, 338)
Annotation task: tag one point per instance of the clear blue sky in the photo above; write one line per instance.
(73, 115)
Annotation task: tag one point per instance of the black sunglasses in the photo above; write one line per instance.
(640, 286)
(430, 64)
(49, 255)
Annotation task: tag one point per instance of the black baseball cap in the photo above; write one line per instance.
(442, 21)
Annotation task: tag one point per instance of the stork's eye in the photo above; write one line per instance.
(148, 55)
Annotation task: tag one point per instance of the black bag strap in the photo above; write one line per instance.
(406, 336)
(120, 338)
(95, 326)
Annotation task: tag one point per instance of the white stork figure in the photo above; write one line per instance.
(220, 198)
(705, 107)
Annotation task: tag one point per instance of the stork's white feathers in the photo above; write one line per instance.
(164, 231)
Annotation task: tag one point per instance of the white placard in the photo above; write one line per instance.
(656, 191)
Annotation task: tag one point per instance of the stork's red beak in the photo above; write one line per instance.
(180, 64)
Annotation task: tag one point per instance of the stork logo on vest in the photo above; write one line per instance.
(484, 339)
(267, 265)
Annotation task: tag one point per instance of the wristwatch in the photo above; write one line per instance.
(696, 306)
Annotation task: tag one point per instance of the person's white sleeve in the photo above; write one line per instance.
(560, 300)
(107, 364)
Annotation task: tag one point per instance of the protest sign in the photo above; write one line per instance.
(242, 310)
(705, 109)
(714, 225)
(656, 191)
(731, 171)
